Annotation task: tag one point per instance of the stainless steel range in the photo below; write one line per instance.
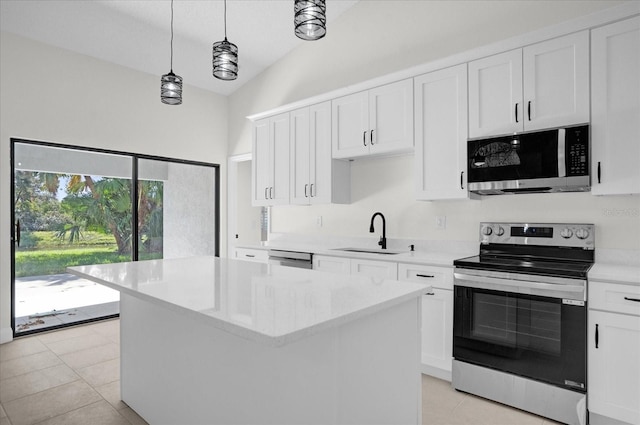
(520, 318)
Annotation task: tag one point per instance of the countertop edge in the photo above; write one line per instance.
(251, 335)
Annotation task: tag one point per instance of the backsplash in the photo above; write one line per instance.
(387, 185)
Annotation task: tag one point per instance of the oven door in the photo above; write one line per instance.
(531, 329)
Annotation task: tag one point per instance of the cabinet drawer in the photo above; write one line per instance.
(614, 297)
(256, 255)
(437, 277)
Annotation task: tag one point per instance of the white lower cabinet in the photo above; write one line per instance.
(614, 353)
(325, 263)
(437, 316)
(373, 268)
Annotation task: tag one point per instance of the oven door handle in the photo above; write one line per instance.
(553, 290)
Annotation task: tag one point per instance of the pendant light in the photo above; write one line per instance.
(310, 19)
(171, 84)
(225, 56)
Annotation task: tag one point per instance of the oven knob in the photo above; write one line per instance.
(487, 230)
(500, 231)
(566, 233)
(582, 233)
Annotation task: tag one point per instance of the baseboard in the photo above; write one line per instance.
(436, 372)
(6, 335)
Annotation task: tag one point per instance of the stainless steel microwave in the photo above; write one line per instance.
(542, 161)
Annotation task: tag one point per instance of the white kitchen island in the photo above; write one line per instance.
(208, 340)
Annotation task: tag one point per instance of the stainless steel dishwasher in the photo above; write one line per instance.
(297, 259)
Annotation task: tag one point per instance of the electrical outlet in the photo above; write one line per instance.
(319, 221)
(441, 222)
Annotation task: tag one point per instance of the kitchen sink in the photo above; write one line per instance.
(368, 251)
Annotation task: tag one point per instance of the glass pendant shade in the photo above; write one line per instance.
(225, 60)
(171, 89)
(310, 19)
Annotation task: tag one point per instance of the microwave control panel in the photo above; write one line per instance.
(577, 151)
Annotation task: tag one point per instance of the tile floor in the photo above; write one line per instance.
(71, 376)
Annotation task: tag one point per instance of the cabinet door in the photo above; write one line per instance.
(300, 157)
(437, 329)
(495, 95)
(279, 192)
(325, 263)
(441, 134)
(615, 108)
(375, 269)
(261, 164)
(556, 82)
(350, 125)
(320, 171)
(391, 117)
(614, 369)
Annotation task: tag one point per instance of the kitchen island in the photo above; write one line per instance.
(207, 340)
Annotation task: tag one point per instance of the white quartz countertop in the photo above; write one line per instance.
(270, 304)
(616, 273)
(436, 258)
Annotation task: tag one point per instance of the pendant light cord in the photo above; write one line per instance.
(225, 19)
(171, 36)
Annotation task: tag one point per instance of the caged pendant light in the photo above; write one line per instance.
(171, 84)
(310, 19)
(225, 56)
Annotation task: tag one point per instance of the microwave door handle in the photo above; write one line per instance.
(562, 162)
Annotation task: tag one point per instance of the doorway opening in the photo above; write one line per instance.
(77, 206)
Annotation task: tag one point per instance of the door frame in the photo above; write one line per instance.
(134, 177)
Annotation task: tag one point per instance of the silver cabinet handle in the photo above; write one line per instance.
(364, 138)
(311, 190)
(371, 137)
(305, 190)
(265, 192)
(271, 192)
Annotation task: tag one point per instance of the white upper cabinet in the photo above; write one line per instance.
(270, 182)
(495, 94)
(372, 122)
(544, 85)
(315, 178)
(615, 110)
(441, 134)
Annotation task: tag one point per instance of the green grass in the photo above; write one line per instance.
(54, 261)
(48, 239)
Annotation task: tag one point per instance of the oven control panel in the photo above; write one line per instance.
(546, 234)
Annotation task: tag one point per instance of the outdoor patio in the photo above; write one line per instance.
(45, 301)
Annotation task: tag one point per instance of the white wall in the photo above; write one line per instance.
(375, 38)
(54, 95)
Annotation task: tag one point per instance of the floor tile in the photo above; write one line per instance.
(90, 356)
(101, 373)
(62, 334)
(50, 403)
(100, 413)
(77, 343)
(28, 364)
(111, 393)
(20, 348)
(476, 410)
(34, 382)
(133, 417)
(3, 414)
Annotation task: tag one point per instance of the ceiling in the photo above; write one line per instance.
(136, 33)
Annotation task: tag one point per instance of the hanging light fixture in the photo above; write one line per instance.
(171, 84)
(310, 19)
(225, 56)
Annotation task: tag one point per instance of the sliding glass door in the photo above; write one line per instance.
(74, 206)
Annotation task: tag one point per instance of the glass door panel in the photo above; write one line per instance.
(71, 207)
(176, 209)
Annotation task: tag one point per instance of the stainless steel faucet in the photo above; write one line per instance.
(383, 239)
